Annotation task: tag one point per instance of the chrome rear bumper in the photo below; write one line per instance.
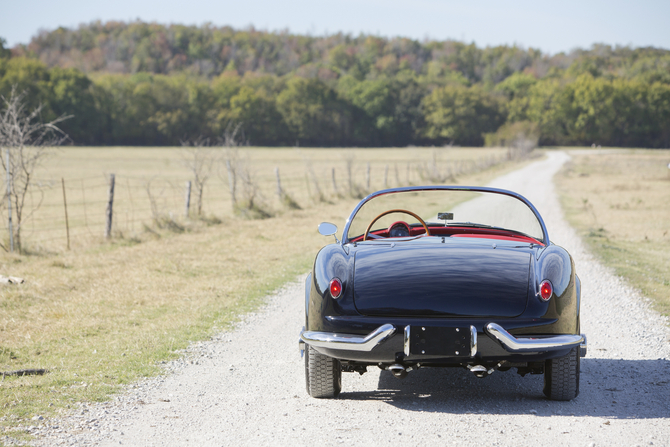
(528, 344)
(348, 342)
(509, 342)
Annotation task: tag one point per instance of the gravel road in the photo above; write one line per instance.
(246, 387)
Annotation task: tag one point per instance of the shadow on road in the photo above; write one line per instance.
(625, 389)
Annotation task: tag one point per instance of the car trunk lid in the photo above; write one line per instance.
(444, 281)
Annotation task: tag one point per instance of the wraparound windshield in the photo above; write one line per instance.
(469, 208)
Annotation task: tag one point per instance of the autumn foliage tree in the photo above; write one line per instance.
(143, 83)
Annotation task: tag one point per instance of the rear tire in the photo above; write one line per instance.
(561, 376)
(323, 374)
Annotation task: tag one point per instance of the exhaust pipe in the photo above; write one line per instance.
(398, 371)
(480, 370)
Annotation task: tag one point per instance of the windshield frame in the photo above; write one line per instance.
(483, 189)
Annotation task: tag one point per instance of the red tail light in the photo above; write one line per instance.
(546, 290)
(335, 288)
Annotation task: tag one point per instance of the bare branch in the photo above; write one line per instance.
(25, 142)
(200, 159)
(233, 135)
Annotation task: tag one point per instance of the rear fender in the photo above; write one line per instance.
(331, 262)
(555, 264)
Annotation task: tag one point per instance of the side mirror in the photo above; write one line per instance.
(327, 229)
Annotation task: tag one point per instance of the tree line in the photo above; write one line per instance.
(149, 84)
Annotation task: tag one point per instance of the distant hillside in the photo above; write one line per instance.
(118, 47)
(150, 84)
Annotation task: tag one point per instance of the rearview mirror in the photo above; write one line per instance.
(327, 228)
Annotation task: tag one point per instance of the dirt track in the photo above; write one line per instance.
(246, 387)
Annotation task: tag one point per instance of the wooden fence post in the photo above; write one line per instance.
(110, 204)
(337, 193)
(187, 206)
(132, 206)
(67, 223)
(280, 191)
(309, 189)
(386, 177)
(232, 182)
(9, 205)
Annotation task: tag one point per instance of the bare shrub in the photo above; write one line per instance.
(349, 158)
(162, 220)
(246, 197)
(312, 178)
(430, 171)
(253, 204)
(284, 198)
(355, 190)
(230, 161)
(233, 136)
(25, 142)
(198, 158)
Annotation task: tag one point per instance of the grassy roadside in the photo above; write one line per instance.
(619, 202)
(102, 318)
(107, 314)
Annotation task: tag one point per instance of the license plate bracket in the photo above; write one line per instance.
(438, 341)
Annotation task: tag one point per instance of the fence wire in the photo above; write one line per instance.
(139, 201)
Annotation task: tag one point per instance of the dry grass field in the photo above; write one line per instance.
(150, 184)
(105, 313)
(619, 201)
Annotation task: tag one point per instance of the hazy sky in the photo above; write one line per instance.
(549, 26)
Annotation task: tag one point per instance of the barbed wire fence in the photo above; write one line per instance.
(74, 212)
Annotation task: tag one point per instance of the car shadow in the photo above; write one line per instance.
(625, 389)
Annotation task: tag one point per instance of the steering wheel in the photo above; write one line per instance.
(367, 230)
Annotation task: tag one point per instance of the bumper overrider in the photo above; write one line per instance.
(366, 343)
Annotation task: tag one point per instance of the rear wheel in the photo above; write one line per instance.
(323, 374)
(561, 377)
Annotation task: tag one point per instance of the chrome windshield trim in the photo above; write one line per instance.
(529, 344)
(345, 234)
(348, 342)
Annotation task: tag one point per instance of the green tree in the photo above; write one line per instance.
(314, 114)
(391, 107)
(28, 75)
(341, 58)
(376, 99)
(258, 115)
(461, 115)
(70, 92)
(516, 88)
(5, 53)
(550, 105)
(223, 89)
(658, 98)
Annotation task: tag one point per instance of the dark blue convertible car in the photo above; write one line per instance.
(443, 276)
